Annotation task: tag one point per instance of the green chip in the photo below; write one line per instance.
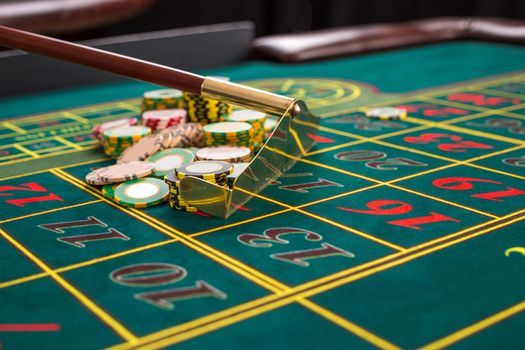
(142, 193)
(126, 134)
(108, 191)
(193, 150)
(170, 159)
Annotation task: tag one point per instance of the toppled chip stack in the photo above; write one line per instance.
(116, 140)
(230, 154)
(162, 99)
(229, 133)
(205, 110)
(145, 147)
(210, 171)
(185, 135)
(119, 173)
(162, 119)
(99, 129)
(255, 119)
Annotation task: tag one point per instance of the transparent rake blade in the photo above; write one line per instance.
(290, 140)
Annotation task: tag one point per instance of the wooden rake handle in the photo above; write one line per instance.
(100, 59)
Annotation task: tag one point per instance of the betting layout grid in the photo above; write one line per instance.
(410, 176)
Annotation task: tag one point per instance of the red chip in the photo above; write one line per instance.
(165, 115)
(162, 119)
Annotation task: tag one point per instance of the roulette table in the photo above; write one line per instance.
(387, 234)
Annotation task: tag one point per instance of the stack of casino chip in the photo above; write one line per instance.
(117, 140)
(211, 171)
(205, 110)
(175, 201)
(255, 119)
(229, 134)
(162, 99)
(163, 119)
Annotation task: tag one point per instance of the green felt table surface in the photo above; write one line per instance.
(387, 234)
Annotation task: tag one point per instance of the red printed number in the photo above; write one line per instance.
(466, 183)
(457, 146)
(481, 100)
(31, 187)
(394, 207)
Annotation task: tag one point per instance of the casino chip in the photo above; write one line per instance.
(142, 193)
(162, 119)
(213, 171)
(205, 110)
(230, 154)
(120, 172)
(93, 178)
(112, 124)
(229, 133)
(170, 159)
(108, 191)
(193, 150)
(162, 99)
(386, 113)
(146, 147)
(184, 135)
(176, 201)
(270, 123)
(128, 133)
(255, 119)
(116, 140)
(238, 169)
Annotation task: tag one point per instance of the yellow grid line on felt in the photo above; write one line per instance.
(105, 317)
(179, 331)
(271, 284)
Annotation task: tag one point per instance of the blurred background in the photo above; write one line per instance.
(88, 19)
